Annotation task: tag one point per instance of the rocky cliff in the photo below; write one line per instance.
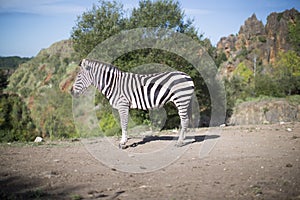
(265, 112)
(256, 43)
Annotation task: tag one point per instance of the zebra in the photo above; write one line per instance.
(126, 91)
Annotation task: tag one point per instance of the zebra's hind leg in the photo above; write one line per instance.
(184, 125)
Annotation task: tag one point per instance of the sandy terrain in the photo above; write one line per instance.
(247, 162)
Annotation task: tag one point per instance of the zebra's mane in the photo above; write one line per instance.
(97, 63)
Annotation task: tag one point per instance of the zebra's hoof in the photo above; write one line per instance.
(184, 142)
(122, 146)
(180, 144)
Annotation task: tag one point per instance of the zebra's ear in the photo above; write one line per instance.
(83, 65)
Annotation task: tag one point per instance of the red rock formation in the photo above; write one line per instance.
(257, 42)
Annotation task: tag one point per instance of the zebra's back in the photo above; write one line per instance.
(154, 90)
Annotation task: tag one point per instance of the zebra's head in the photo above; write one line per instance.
(83, 79)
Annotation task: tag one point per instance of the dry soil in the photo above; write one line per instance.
(247, 162)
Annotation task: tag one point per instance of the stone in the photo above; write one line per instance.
(38, 139)
(264, 112)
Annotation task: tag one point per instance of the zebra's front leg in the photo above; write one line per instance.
(123, 113)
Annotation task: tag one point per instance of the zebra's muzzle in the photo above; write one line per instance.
(73, 93)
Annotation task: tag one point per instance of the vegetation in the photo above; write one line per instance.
(15, 121)
(37, 82)
(108, 18)
(96, 25)
(283, 79)
(7, 66)
(287, 72)
(294, 36)
(11, 62)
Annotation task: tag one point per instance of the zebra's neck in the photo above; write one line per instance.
(106, 77)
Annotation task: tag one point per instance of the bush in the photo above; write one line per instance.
(15, 121)
(108, 124)
(262, 39)
(268, 86)
(294, 99)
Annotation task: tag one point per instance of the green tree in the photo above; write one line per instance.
(267, 85)
(161, 14)
(294, 34)
(246, 77)
(219, 58)
(96, 25)
(287, 72)
(233, 88)
(15, 121)
(244, 72)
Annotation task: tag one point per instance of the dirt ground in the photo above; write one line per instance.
(247, 162)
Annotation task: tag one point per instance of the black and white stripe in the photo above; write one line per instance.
(126, 90)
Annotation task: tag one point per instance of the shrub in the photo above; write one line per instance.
(15, 121)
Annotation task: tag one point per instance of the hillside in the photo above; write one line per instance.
(8, 65)
(38, 81)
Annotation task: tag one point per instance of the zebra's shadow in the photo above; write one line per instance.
(188, 140)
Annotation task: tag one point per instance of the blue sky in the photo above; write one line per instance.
(27, 26)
